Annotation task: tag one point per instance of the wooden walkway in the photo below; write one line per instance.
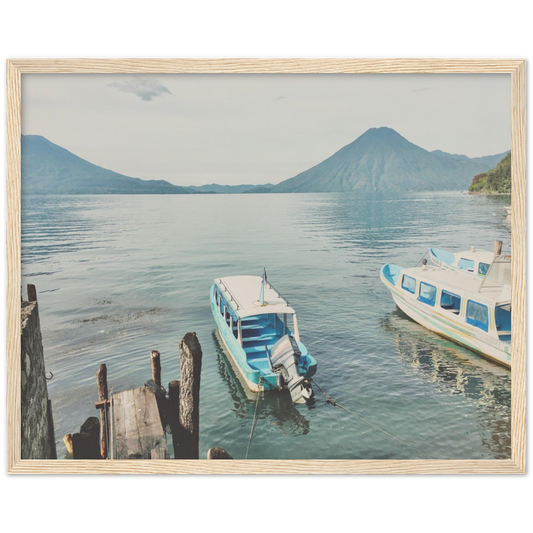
(131, 421)
(136, 428)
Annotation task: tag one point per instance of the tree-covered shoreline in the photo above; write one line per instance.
(495, 181)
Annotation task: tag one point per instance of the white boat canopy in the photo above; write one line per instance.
(242, 294)
(497, 293)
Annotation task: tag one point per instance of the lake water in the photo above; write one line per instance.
(118, 276)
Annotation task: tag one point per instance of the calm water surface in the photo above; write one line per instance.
(118, 276)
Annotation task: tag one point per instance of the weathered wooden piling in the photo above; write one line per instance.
(85, 444)
(103, 396)
(155, 359)
(498, 247)
(189, 412)
(218, 453)
(32, 292)
(174, 413)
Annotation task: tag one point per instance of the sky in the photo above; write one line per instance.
(195, 129)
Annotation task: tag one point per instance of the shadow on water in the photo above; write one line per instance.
(274, 406)
(457, 371)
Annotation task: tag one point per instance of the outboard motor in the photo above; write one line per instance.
(284, 359)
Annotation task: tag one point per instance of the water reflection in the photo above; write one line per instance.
(372, 225)
(275, 407)
(457, 371)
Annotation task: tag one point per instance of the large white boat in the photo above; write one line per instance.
(260, 332)
(470, 310)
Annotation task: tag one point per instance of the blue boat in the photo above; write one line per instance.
(259, 330)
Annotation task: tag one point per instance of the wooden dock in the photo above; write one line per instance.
(136, 430)
(134, 423)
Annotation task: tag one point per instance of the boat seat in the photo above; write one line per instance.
(250, 350)
(262, 365)
(258, 358)
(267, 337)
(252, 319)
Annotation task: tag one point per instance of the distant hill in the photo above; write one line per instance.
(49, 169)
(230, 189)
(496, 180)
(382, 160)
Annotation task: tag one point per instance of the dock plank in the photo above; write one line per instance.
(137, 424)
(126, 431)
(151, 432)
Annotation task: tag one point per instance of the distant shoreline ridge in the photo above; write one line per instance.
(379, 160)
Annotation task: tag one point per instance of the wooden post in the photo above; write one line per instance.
(218, 453)
(497, 247)
(85, 444)
(67, 439)
(191, 367)
(155, 358)
(174, 413)
(101, 381)
(32, 293)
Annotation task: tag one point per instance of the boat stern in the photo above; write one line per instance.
(290, 365)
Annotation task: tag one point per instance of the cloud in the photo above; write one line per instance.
(279, 98)
(145, 87)
(421, 89)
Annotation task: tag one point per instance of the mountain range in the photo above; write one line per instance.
(382, 160)
(379, 160)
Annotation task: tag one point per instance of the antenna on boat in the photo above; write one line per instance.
(263, 283)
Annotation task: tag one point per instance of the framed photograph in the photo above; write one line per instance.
(299, 266)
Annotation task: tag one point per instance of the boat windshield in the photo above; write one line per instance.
(499, 274)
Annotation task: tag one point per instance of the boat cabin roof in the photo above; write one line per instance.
(476, 255)
(450, 280)
(453, 258)
(242, 294)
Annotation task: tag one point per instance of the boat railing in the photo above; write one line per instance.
(234, 299)
(231, 295)
(279, 294)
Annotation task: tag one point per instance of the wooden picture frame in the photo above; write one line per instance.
(514, 67)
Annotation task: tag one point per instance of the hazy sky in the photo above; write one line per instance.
(193, 129)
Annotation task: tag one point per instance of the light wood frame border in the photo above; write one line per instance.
(515, 67)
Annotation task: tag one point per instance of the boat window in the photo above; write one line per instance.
(477, 315)
(502, 317)
(466, 264)
(450, 302)
(409, 284)
(427, 293)
(483, 269)
(284, 323)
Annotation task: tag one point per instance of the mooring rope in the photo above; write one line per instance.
(333, 402)
(254, 419)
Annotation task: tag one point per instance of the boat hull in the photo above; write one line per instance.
(461, 333)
